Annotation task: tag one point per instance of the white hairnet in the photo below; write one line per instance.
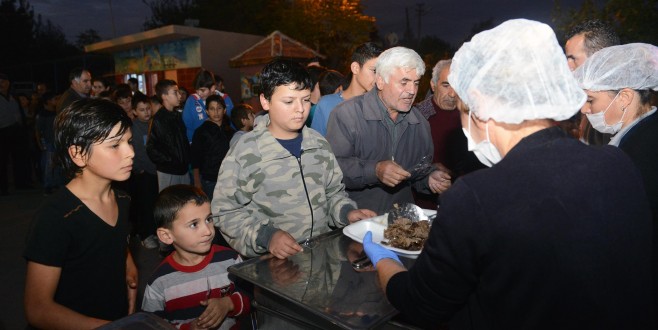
(633, 66)
(515, 72)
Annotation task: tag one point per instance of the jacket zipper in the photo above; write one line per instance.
(308, 199)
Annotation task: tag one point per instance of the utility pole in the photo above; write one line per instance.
(114, 28)
(420, 11)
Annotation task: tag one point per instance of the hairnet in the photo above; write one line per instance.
(515, 72)
(633, 66)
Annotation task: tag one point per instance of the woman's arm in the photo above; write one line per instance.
(41, 309)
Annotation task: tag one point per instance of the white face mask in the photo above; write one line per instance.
(485, 151)
(598, 120)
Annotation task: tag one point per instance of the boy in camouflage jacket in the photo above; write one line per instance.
(281, 184)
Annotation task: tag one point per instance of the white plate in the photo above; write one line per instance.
(377, 225)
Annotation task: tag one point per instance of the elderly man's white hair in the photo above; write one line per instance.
(633, 66)
(436, 71)
(515, 72)
(398, 57)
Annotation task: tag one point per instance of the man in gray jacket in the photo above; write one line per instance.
(383, 144)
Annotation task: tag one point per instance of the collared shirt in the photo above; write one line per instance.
(620, 135)
(391, 125)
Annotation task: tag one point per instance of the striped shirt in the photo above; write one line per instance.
(174, 290)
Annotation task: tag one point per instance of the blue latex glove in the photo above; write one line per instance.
(377, 252)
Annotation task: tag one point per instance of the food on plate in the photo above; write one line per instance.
(406, 234)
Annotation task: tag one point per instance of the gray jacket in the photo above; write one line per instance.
(360, 138)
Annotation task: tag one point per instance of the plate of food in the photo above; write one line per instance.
(404, 238)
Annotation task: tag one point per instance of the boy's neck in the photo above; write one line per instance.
(87, 187)
(188, 259)
(353, 90)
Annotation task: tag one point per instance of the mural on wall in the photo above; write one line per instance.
(177, 54)
(250, 86)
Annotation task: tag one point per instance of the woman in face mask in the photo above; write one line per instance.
(556, 234)
(618, 81)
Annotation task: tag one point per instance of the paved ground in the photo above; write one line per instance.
(16, 212)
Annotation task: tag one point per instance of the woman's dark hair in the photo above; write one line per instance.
(172, 199)
(123, 91)
(82, 124)
(283, 72)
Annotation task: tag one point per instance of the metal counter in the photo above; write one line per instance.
(318, 288)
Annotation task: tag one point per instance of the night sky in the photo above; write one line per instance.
(449, 20)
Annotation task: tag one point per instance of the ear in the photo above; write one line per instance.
(75, 152)
(165, 236)
(380, 82)
(626, 97)
(433, 86)
(264, 102)
(355, 67)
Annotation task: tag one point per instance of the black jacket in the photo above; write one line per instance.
(555, 236)
(210, 145)
(167, 144)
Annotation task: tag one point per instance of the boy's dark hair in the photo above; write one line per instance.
(155, 99)
(329, 81)
(203, 79)
(283, 72)
(76, 73)
(133, 80)
(162, 87)
(101, 79)
(139, 98)
(598, 35)
(172, 199)
(215, 98)
(122, 91)
(239, 112)
(315, 72)
(82, 124)
(365, 52)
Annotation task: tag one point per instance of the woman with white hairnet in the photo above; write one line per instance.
(556, 234)
(618, 81)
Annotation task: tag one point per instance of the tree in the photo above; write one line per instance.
(87, 37)
(633, 20)
(331, 27)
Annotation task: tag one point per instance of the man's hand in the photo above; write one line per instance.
(283, 245)
(360, 214)
(215, 313)
(390, 173)
(439, 181)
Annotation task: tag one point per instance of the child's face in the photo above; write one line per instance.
(171, 99)
(204, 92)
(248, 123)
(111, 159)
(125, 104)
(215, 112)
(143, 111)
(192, 231)
(288, 110)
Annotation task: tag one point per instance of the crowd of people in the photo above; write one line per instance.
(543, 161)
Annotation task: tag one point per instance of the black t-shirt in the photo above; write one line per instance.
(92, 254)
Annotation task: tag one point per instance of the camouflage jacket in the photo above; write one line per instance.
(260, 184)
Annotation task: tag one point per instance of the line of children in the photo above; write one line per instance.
(192, 288)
